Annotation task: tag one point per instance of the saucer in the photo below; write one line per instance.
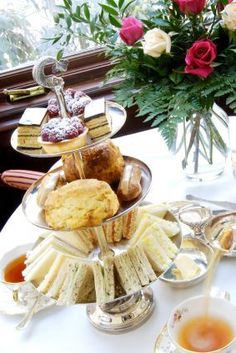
(19, 302)
(163, 343)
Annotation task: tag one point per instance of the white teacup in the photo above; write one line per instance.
(7, 258)
(196, 307)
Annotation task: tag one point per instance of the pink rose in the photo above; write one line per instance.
(191, 6)
(131, 30)
(199, 58)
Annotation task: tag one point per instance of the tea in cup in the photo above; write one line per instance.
(11, 266)
(203, 324)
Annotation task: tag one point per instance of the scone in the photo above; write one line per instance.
(103, 161)
(81, 203)
(51, 181)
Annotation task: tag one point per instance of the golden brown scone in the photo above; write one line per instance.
(51, 181)
(102, 161)
(81, 203)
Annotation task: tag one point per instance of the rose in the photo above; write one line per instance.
(156, 42)
(229, 16)
(131, 30)
(221, 5)
(199, 58)
(191, 6)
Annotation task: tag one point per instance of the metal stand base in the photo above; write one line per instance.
(123, 314)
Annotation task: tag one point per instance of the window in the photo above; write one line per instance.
(24, 27)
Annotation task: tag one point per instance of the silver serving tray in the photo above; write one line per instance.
(117, 249)
(216, 223)
(118, 117)
(35, 214)
(200, 253)
(122, 246)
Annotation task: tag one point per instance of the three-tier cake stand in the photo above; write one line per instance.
(128, 311)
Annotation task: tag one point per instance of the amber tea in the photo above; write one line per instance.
(13, 271)
(205, 334)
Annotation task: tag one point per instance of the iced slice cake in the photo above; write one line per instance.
(96, 119)
(29, 128)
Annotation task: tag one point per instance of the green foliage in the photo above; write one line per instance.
(17, 43)
(164, 94)
(165, 105)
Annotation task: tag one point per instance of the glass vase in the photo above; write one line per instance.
(202, 143)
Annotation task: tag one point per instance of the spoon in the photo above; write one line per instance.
(29, 314)
(224, 204)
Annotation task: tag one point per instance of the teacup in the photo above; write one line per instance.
(200, 307)
(7, 259)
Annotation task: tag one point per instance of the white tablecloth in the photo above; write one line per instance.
(66, 329)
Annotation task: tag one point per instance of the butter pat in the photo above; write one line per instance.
(186, 267)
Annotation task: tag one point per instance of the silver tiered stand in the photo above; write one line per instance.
(128, 311)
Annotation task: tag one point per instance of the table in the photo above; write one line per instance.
(66, 329)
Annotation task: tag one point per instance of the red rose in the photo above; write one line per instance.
(191, 6)
(199, 58)
(131, 30)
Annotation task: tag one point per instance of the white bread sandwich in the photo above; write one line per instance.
(52, 273)
(141, 265)
(128, 277)
(159, 210)
(155, 254)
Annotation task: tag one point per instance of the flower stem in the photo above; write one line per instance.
(196, 157)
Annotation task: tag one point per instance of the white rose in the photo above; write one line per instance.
(229, 16)
(156, 42)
